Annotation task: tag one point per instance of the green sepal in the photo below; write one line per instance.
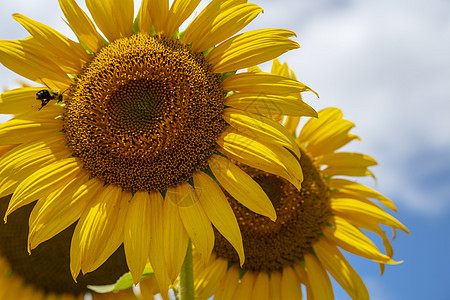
(136, 28)
(89, 51)
(206, 52)
(123, 283)
(241, 273)
(333, 190)
(86, 48)
(176, 35)
(225, 75)
(181, 34)
(104, 41)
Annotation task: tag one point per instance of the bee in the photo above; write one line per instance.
(45, 96)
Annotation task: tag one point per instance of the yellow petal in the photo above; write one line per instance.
(342, 159)
(136, 237)
(204, 21)
(42, 182)
(365, 212)
(301, 273)
(241, 186)
(123, 16)
(291, 73)
(145, 22)
(336, 264)
(350, 171)
(275, 286)
(8, 184)
(116, 295)
(244, 289)
(178, 13)
(113, 17)
(64, 51)
(373, 227)
(250, 48)
(102, 14)
(157, 249)
(81, 25)
(218, 21)
(351, 239)
(100, 228)
(211, 276)
(263, 84)
(347, 164)
(27, 58)
(327, 115)
(339, 138)
(61, 209)
(17, 168)
(318, 279)
(291, 124)
(175, 236)
(290, 284)
(228, 284)
(25, 159)
(153, 13)
(264, 129)
(280, 69)
(6, 148)
(19, 100)
(261, 287)
(219, 211)
(254, 69)
(31, 126)
(358, 190)
(75, 256)
(269, 158)
(194, 219)
(327, 133)
(270, 105)
(148, 288)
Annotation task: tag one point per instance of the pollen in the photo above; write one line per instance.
(144, 113)
(301, 216)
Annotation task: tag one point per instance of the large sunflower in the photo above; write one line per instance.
(133, 121)
(45, 274)
(301, 247)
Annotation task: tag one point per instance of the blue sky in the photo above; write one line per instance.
(386, 64)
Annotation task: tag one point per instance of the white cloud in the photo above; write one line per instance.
(377, 289)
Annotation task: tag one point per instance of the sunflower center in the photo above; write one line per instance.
(144, 113)
(47, 268)
(301, 215)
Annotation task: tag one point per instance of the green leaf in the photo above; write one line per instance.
(124, 282)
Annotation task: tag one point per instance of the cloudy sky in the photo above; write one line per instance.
(386, 64)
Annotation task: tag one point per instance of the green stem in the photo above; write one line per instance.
(187, 276)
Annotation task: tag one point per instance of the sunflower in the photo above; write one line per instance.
(45, 274)
(136, 129)
(301, 246)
